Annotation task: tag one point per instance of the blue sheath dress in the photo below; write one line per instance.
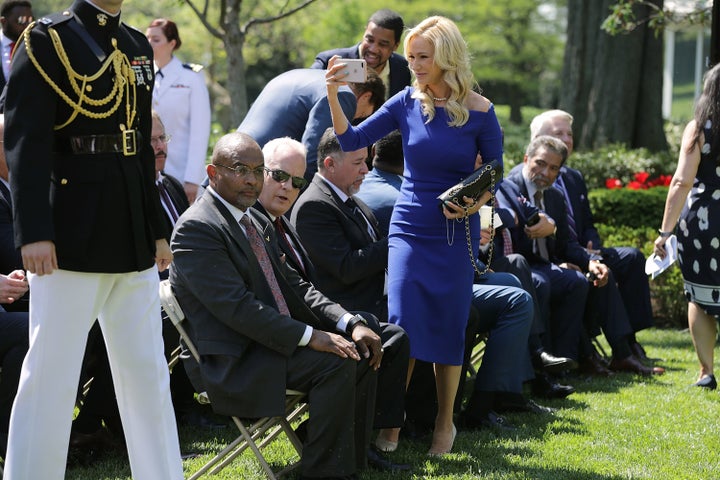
(429, 271)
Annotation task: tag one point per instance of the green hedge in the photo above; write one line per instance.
(626, 217)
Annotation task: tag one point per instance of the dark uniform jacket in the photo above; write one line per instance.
(101, 210)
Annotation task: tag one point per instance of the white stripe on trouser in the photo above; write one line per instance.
(63, 306)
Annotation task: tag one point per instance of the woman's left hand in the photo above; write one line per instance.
(452, 211)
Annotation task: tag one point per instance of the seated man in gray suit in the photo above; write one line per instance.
(378, 48)
(294, 104)
(260, 328)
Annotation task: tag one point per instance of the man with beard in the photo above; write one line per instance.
(378, 48)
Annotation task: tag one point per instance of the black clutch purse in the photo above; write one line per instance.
(473, 185)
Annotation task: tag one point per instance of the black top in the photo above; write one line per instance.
(101, 210)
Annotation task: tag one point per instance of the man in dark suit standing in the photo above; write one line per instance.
(88, 223)
(260, 328)
(15, 15)
(380, 41)
(626, 263)
(285, 163)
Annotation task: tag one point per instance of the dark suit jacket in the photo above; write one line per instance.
(176, 191)
(350, 264)
(399, 70)
(307, 271)
(10, 258)
(244, 342)
(87, 204)
(578, 194)
(560, 247)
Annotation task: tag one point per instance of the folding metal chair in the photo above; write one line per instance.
(254, 436)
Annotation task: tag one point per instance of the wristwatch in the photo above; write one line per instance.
(353, 322)
(664, 234)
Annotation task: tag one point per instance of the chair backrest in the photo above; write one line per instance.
(175, 314)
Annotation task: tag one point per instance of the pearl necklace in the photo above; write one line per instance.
(440, 99)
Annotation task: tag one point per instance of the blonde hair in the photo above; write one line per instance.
(452, 57)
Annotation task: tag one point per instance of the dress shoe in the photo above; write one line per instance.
(544, 386)
(639, 352)
(385, 446)
(522, 404)
(377, 461)
(594, 365)
(452, 442)
(543, 360)
(632, 364)
(194, 418)
(491, 421)
(708, 381)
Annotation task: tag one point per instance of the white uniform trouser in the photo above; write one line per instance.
(63, 307)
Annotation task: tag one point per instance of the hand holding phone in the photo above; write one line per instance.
(533, 219)
(356, 70)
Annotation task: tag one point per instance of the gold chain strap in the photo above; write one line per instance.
(124, 78)
(468, 238)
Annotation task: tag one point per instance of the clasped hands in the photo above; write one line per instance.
(13, 286)
(365, 344)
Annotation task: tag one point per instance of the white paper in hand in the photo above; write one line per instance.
(655, 265)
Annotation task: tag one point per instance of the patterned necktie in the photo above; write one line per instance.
(284, 238)
(541, 243)
(361, 217)
(258, 248)
(167, 203)
(560, 185)
(506, 238)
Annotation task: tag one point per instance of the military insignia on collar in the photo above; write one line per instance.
(102, 19)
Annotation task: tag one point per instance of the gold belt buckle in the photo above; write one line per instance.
(129, 143)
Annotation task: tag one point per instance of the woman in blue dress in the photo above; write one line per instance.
(445, 125)
(693, 199)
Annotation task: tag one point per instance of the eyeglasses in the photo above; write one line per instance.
(281, 176)
(243, 170)
(160, 139)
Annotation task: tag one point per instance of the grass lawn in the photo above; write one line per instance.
(623, 427)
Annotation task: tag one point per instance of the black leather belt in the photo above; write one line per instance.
(125, 143)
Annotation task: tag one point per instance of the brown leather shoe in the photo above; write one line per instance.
(632, 364)
(594, 365)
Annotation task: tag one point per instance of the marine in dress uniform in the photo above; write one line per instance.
(89, 222)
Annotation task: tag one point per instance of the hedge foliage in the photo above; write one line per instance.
(627, 217)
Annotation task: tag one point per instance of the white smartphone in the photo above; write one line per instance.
(357, 70)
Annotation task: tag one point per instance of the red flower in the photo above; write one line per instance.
(612, 183)
(635, 185)
(642, 177)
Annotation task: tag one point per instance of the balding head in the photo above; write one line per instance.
(236, 171)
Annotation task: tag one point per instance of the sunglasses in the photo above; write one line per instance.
(281, 176)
